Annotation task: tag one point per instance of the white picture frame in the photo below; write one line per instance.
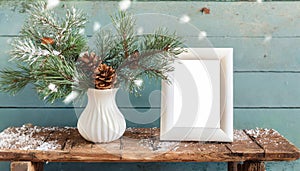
(198, 104)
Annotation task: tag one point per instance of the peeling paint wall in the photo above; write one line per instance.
(265, 38)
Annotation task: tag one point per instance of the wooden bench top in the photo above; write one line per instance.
(53, 144)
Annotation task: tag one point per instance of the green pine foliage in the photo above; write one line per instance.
(135, 57)
(45, 53)
(48, 47)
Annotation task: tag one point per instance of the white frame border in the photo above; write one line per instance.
(225, 132)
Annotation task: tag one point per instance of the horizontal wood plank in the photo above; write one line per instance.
(143, 145)
(43, 116)
(250, 90)
(285, 121)
(233, 19)
(241, 142)
(273, 144)
(68, 117)
(243, 119)
(266, 90)
(250, 54)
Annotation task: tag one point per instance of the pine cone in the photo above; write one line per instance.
(104, 77)
(88, 63)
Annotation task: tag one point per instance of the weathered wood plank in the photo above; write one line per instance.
(71, 140)
(111, 148)
(37, 116)
(250, 54)
(124, 99)
(266, 89)
(244, 146)
(197, 151)
(233, 19)
(83, 150)
(243, 119)
(66, 117)
(246, 59)
(275, 146)
(140, 145)
(259, 54)
(26, 137)
(285, 121)
(144, 145)
(251, 90)
(60, 137)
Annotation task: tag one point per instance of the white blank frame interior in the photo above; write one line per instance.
(198, 104)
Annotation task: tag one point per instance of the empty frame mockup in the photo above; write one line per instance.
(198, 104)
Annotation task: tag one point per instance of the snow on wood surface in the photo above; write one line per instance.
(28, 137)
(140, 144)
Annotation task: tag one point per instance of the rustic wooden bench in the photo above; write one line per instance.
(29, 147)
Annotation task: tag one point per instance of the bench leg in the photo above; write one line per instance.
(232, 166)
(246, 166)
(254, 166)
(26, 166)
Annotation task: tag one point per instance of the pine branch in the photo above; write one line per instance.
(161, 39)
(104, 44)
(64, 32)
(156, 53)
(124, 24)
(13, 81)
(46, 52)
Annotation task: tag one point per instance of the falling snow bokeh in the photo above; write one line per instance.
(202, 35)
(96, 26)
(184, 19)
(140, 31)
(267, 38)
(124, 5)
(52, 4)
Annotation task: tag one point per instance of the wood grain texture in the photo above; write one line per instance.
(283, 120)
(143, 145)
(250, 90)
(253, 166)
(26, 166)
(243, 141)
(272, 143)
(42, 116)
(241, 25)
(266, 90)
(250, 54)
(242, 21)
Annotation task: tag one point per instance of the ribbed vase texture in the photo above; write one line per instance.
(101, 120)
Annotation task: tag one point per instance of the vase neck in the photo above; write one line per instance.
(102, 97)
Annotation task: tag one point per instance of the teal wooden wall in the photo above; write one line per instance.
(265, 38)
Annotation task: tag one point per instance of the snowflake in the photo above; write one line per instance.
(96, 26)
(184, 19)
(124, 4)
(138, 82)
(268, 38)
(140, 31)
(202, 35)
(56, 52)
(52, 4)
(52, 87)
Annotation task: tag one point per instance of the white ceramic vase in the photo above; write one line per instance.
(101, 120)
